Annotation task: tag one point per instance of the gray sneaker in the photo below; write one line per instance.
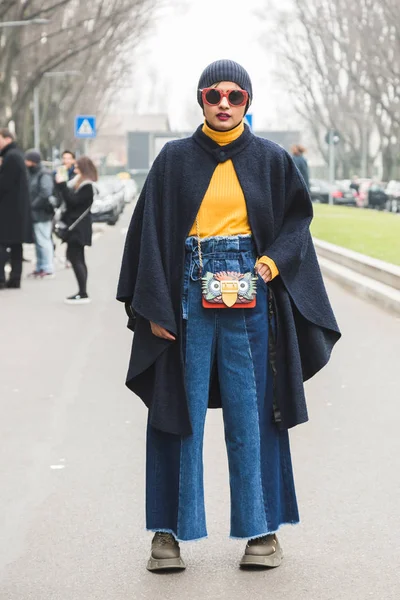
(165, 553)
(263, 552)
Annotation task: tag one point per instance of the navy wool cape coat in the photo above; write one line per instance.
(151, 279)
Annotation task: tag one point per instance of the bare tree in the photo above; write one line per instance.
(93, 39)
(340, 62)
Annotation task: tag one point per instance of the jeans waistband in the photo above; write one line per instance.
(220, 244)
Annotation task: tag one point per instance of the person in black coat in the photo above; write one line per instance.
(78, 198)
(298, 158)
(14, 208)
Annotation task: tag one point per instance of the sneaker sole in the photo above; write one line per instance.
(165, 564)
(265, 562)
(81, 301)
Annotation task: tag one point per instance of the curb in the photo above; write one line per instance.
(372, 268)
(369, 288)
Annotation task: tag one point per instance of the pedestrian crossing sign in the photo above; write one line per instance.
(85, 126)
(249, 120)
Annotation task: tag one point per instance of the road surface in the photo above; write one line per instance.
(72, 460)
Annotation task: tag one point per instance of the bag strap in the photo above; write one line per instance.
(78, 220)
(200, 252)
(199, 245)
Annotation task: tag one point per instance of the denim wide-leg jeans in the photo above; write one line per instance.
(260, 469)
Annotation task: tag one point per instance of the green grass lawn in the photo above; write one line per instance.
(370, 232)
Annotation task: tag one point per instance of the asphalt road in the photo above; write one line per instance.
(72, 460)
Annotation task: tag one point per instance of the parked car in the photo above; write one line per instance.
(130, 190)
(321, 190)
(108, 201)
(393, 196)
(372, 195)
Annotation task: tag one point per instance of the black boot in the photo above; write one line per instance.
(13, 284)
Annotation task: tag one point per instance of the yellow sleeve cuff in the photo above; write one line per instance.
(270, 263)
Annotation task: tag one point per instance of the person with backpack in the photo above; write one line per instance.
(41, 190)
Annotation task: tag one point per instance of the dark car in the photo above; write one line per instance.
(372, 195)
(393, 196)
(108, 201)
(321, 191)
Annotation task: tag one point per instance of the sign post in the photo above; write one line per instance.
(85, 128)
(249, 120)
(332, 138)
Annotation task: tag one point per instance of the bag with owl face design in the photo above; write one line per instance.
(229, 289)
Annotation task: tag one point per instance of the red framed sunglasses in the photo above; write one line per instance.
(213, 96)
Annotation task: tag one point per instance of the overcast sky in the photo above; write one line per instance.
(191, 35)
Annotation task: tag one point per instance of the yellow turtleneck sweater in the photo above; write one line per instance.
(223, 210)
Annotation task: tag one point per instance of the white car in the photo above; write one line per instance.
(130, 189)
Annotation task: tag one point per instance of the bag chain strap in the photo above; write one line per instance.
(200, 252)
(199, 245)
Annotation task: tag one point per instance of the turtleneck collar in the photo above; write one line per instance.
(229, 151)
(224, 137)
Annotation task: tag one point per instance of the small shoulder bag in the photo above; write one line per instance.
(226, 289)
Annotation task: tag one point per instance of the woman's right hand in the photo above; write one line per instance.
(160, 332)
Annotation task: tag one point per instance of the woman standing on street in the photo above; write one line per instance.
(78, 197)
(223, 290)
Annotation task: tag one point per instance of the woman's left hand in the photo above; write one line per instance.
(264, 272)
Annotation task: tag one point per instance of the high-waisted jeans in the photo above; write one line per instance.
(236, 340)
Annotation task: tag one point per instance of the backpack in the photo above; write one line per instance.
(52, 201)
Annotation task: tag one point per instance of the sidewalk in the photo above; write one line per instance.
(72, 461)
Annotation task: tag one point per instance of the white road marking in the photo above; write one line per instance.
(57, 467)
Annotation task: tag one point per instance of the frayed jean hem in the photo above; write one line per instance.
(204, 537)
(254, 537)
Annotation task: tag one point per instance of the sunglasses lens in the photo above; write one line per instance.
(213, 96)
(236, 98)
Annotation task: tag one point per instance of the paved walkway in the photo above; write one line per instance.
(72, 460)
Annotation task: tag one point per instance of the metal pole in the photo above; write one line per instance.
(331, 161)
(36, 118)
(364, 150)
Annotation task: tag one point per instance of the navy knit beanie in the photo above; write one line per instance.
(224, 70)
(33, 155)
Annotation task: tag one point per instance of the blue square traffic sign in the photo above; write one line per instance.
(249, 120)
(85, 126)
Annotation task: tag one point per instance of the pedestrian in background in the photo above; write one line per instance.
(42, 207)
(69, 162)
(219, 261)
(77, 195)
(15, 222)
(67, 171)
(355, 184)
(299, 160)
